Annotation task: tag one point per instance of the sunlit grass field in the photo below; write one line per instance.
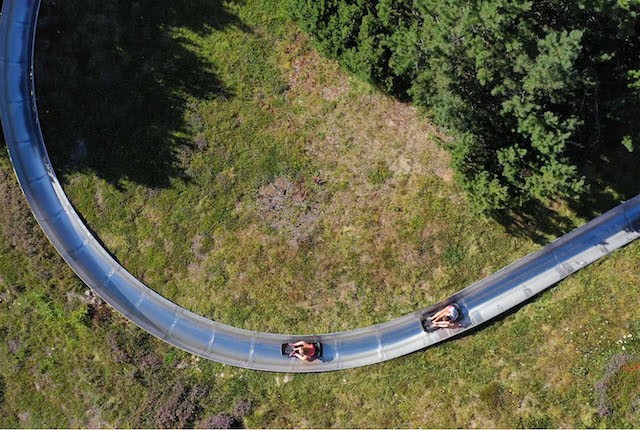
(234, 170)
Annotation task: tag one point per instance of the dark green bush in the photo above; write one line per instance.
(529, 88)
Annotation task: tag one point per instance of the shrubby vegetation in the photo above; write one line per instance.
(529, 88)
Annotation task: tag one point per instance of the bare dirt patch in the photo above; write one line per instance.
(287, 208)
(197, 247)
(603, 386)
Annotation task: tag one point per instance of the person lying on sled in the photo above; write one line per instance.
(446, 317)
(304, 351)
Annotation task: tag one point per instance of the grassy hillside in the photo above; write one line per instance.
(235, 171)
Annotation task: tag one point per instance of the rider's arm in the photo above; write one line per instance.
(443, 324)
(438, 315)
(301, 357)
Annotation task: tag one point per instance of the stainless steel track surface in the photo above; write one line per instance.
(480, 302)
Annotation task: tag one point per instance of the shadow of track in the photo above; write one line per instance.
(114, 78)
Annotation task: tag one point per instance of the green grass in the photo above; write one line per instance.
(193, 115)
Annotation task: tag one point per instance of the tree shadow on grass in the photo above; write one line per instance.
(536, 223)
(114, 80)
(613, 177)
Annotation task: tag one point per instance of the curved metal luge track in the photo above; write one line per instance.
(480, 302)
